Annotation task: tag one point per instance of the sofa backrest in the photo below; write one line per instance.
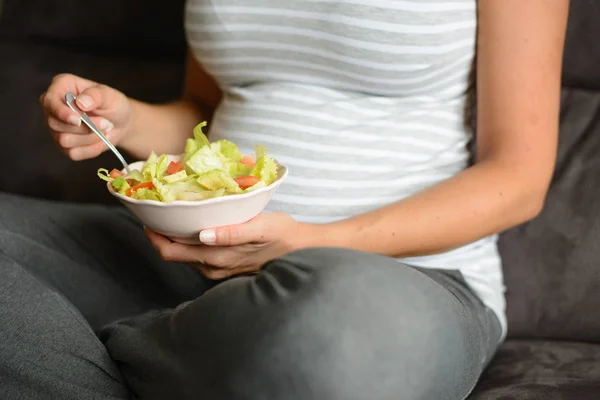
(136, 46)
(552, 264)
(134, 26)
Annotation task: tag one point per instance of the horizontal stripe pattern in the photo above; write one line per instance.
(406, 6)
(359, 22)
(351, 46)
(361, 99)
(343, 162)
(233, 65)
(433, 47)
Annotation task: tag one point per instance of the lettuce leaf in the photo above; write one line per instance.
(119, 183)
(204, 160)
(216, 179)
(209, 170)
(194, 144)
(135, 175)
(146, 194)
(199, 135)
(265, 168)
(178, 176)
(227, 149)
(103, 174)
(185, 190)
(156, 167)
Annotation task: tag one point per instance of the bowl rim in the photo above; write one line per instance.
(191, 203)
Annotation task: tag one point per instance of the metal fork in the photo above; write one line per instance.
(70, 100)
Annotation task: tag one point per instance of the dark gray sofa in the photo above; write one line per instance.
(552, 264)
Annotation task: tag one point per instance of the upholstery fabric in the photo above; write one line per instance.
(552, 264)
(542, 370)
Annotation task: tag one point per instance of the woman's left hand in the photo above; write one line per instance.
(236, 249)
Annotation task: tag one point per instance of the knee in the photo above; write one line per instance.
(361, 285)
(332, 270)
(354, 324)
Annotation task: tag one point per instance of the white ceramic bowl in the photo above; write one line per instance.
(182, 221)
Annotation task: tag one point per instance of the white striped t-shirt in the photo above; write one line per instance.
(362, 99)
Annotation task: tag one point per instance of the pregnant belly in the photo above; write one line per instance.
(347, 153)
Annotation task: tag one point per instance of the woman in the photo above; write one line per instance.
(378, 273)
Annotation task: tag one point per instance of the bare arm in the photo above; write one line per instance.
(164, 128)
(520, 47)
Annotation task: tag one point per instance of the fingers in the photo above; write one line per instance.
(57, 126)
(90, 96)
(97, 97)
(217, 274)
(86, 152)
(53, 100)
(214, 263)
(171, 251)
(55, 106)
(103, 104)
(74, 138)
(71, 140)
(79, 143)
(233, 235)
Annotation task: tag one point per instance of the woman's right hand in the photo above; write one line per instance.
(109, 109)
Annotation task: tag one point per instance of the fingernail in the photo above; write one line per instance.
(106, 125)
(208, 236)
(74, 120)
(85, 101)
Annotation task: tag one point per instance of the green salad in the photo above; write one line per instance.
(204, 171)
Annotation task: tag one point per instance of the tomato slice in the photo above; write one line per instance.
(247, 160)
(115, 173)
(245, 182)
(174, 167)
(143, 185)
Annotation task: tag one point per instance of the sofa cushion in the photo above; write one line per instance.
(582, 53)
(542, 370)
(552, 264)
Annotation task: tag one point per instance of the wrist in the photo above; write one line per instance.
(315, 235)
(352, 233)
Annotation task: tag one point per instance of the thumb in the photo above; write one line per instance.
(233, 235)
(96, 97)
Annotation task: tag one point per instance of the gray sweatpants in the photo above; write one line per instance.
(89, 311)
